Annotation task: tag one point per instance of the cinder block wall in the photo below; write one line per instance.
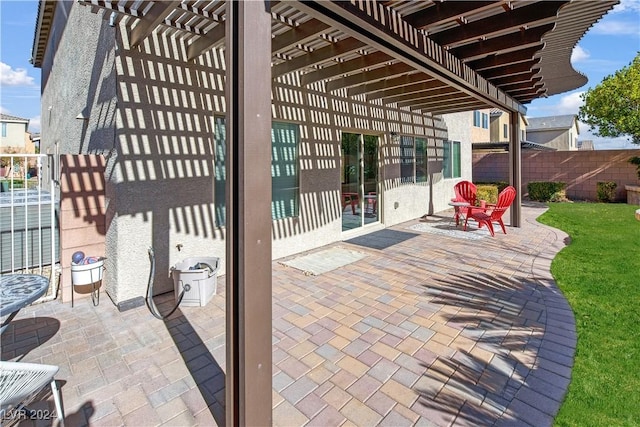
(82, 215)
(580, 170)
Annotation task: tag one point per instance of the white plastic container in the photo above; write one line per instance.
(198, 277)
(86, 274)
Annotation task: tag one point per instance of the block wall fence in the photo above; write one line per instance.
(580, 170)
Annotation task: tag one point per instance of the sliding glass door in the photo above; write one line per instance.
(359, 180)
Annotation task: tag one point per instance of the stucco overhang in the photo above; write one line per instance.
(44, 20)
(434, 56)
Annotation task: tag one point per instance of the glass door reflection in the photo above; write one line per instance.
(359, 180)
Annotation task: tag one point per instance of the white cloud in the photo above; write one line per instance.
(622, 20)
(616, 28)
(579, 54)
(627, 6)
(34, 124)
(570, 104)
(14, 77)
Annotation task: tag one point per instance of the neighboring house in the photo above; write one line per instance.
(35, 138)
(499, 132)
(500, 129)
(480, 130)
(15, 136)
(558, 132)
(359, 111)
(586, 145)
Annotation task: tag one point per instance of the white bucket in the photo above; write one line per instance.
(86, 274)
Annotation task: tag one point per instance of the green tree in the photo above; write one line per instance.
(612, 108)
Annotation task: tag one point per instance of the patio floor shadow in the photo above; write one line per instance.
(425, 329)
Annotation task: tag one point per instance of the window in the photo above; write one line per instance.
(421, 160)
(407, 161)
(4, 130)
(505, 131)
(476, 118)
(480, 119)
(451, 159)
(413, 159)
(220, 172)
(285, 187)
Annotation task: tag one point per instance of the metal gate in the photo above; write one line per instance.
(29, 206)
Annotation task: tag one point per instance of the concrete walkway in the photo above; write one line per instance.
(427, 325)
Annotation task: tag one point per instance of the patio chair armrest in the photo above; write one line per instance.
(476, 209)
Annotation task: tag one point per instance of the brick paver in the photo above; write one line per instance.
(425, 329)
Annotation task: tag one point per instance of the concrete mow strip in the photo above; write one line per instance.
(324, 261)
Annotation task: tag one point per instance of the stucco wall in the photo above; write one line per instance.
(460, 128)
(16, 138)
(158, 141)
(78, 78)
(164, 175)
(580, 170)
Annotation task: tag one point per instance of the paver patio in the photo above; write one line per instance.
(426, 328)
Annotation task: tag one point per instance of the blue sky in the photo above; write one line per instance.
(608, 46)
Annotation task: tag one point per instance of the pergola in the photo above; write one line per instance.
(432, 56)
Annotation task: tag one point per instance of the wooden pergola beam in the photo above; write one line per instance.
(389, 83)
(443, 13)
(356, 64)
(501, 60)
(317, 57)
(530, 16)
(359, 80)
(450, 107)
(298, 35)
(435, 95)
(510, 42)
(452, 104)
(206, 42)
(510, 70)
(408, 88)
(154, 17)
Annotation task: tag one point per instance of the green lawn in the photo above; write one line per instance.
(599, 273)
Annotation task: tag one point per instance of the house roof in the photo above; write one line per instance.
(552, 122)
(437, 57)
(8, 118)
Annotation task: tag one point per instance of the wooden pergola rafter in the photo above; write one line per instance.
(503, 46)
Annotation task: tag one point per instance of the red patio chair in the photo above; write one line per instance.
(465, 192)
(493, 213)
(350, 199)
